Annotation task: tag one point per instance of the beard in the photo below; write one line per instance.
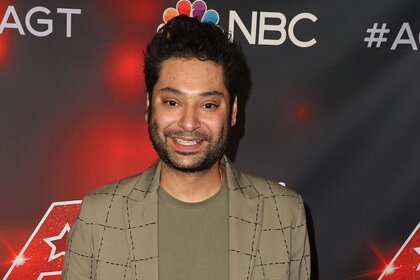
(198, 161)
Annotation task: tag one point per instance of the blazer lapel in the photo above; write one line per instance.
(140, 214)
(245, 220)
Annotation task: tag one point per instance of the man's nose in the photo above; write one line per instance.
(189, 120)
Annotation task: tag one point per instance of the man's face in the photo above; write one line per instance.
(189, 120)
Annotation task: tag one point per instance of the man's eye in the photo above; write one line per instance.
(210, 106)
(171, 103)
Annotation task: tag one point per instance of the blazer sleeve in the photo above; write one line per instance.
(300, 265)
(78, 261)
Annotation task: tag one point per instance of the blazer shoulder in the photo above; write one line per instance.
(286, 198)
(282, 200)
(121, 187)
(269, 188)
(97, 202)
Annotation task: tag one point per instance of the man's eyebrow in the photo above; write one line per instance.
(173, 90)
(206, 93)
(211, 93)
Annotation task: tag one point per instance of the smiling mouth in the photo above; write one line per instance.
(187, 142)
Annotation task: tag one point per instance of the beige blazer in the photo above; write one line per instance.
(115, 233)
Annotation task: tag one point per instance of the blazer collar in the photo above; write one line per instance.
(237, 181)
(149, 181)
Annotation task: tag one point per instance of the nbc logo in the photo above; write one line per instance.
(198, 9)
(254, 36)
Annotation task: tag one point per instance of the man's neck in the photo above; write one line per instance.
(191, 186)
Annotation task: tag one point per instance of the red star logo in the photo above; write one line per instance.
(406, 263)
(42, 256)
(58, 243)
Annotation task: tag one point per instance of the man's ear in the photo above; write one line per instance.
(146, 117)
(234, 111)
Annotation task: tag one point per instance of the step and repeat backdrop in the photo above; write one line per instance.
(331, 108)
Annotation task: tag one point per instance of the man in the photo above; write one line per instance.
(192, 214)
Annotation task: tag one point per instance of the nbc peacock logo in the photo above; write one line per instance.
(198, 9)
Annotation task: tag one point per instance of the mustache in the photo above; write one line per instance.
(187, 134)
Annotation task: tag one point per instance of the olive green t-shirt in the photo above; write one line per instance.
(193, 237)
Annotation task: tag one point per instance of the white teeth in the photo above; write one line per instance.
(186, 142)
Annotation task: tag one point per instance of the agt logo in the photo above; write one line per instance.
(406, 263)
(198, 9)
(44, 26)
(42, 256)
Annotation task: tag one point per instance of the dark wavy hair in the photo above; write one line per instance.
(186, 37)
